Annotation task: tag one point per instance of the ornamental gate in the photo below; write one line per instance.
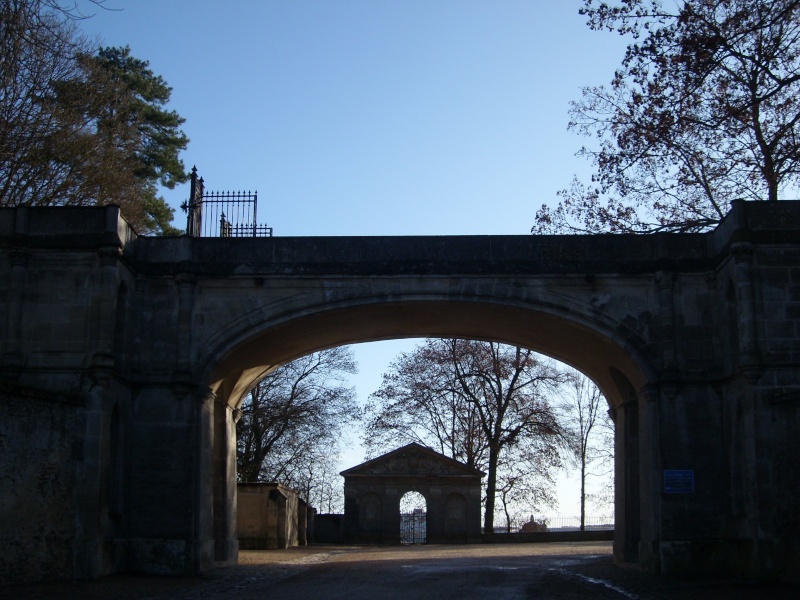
(414, 527)
(413, 519)
(222, 214)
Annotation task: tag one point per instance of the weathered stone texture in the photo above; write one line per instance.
(39, 443)
(694, 340)
(269, 516)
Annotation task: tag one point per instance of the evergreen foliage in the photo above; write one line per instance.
(82, 127)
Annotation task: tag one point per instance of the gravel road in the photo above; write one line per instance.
(486, 572)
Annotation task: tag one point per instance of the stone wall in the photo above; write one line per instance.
(39, 441)
(329, 529)
(270, 516)
(694, 339)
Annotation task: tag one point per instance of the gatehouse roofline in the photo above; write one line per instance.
(357, 470)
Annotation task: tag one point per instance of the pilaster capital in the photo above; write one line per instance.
(186, 281)
(182, 384)
(109, 255)
(203, 394)
(665, 280)
(19, 257)
(648, 393)
(742, 251)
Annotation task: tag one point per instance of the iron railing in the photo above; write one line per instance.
(560, 523)
(222, 214)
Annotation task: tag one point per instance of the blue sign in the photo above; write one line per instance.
(679, 481)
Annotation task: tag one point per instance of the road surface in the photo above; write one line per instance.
(476, 572)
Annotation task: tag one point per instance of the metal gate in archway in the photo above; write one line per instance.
(413, 527)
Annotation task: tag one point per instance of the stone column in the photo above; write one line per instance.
(302, 523)
(391, 515)
(749, 357)
(224, 448)
(140, 330)
(89, 494)
(626, 481)
(665, 283)
(434, 519)
(186, 283)
(283, 520)
(170, 482)
(105, 310)
(13, 359)
(204, 480)
(649, 480)
(350, 521)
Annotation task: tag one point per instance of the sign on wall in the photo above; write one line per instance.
(678, 481)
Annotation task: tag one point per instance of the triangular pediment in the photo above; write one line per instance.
(413, 460)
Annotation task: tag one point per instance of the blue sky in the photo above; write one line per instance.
(373, 117)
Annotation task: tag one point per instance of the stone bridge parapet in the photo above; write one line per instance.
(693, 338)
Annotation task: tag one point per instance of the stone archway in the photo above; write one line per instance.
(174, 331)
(610, 359)
(384, 481)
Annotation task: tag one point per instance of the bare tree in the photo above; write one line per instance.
(704, 110)
(418, 402)
(473, 400)
(37, 48)
(526, 478)
(291, 423)
(588, 431)
(310, 466)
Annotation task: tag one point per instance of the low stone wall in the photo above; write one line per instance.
(268, 517)
(548, 536)
(329, 529)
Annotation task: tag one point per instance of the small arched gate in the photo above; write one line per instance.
(413, 519)
(449, 509)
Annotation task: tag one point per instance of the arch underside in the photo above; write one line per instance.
(592, 348)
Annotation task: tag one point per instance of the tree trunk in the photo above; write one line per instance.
(508, 516)
(583, 494)
(773, 191)
(491, 486)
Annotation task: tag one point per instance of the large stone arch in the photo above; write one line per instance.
(592, 345)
